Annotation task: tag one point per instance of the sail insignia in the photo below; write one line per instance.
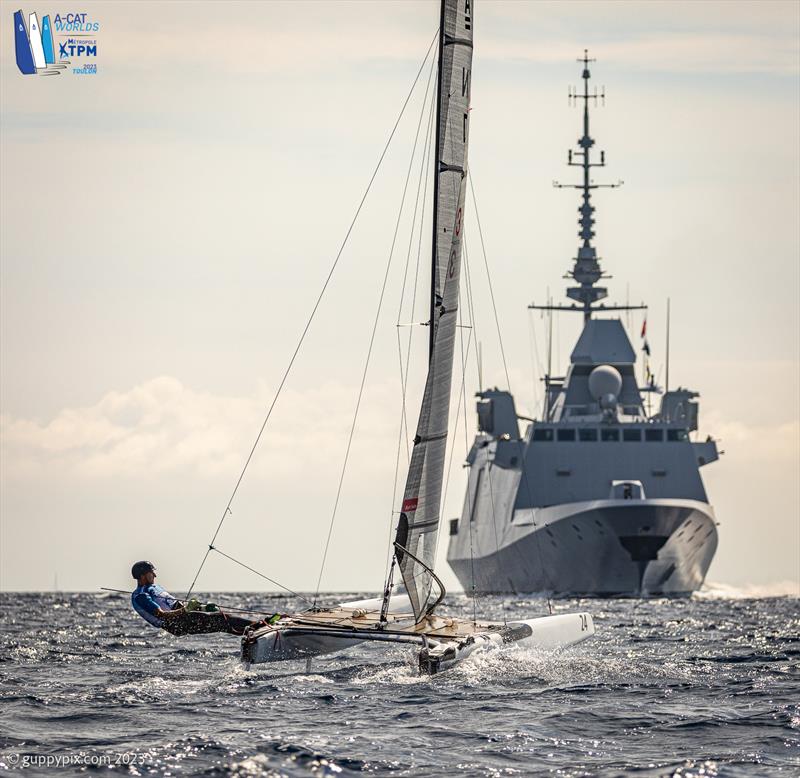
(417, 530)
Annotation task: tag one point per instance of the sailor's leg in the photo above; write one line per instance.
(178, 624)
(197, 623)
(235, 625)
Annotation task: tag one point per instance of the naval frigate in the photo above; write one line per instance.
(600, 496)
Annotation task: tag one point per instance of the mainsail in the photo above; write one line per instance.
(415, 542)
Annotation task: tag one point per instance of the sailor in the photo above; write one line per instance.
(159, 608)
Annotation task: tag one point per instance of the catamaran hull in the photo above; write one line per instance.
(281, 645)
(599, 548)
(294, 641)
(437, 652)
(547, 632)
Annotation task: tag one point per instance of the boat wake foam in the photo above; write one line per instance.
(721, 591)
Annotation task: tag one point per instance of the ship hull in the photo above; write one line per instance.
(602, 548)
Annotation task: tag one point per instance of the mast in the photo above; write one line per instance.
(586, 270)
(418, 526)
(435, 230)
(549, 373)
(666, 386)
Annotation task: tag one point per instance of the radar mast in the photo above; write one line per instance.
(586, 271)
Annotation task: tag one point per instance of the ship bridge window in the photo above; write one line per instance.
(678, 436)
(578, 410)
(586, 435)
(654, 436)
(632, 436)
(566, 435)
(609, 435)
(543, 433)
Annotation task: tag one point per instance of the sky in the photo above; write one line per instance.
(166, 225)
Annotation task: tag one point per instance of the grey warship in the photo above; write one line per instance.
(599, 497)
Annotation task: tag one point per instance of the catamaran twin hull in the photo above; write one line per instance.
(442, 642)
(652, 547)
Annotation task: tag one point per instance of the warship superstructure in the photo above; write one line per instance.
(600, 496)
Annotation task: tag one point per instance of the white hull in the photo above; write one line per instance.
(289, 640)
(548, 632)
(443, 643)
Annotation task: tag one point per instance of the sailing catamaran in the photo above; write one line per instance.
(412, 617)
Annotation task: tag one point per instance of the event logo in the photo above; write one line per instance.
(38, 53)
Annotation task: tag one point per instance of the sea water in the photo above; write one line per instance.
(707, 686)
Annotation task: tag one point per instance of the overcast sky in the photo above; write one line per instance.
(167, 224)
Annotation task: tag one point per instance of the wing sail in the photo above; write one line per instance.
(419, 516)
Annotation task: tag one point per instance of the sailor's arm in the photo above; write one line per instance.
(189, 607)
(147, 603)
(167, 614)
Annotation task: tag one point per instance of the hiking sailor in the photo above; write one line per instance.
(159, 608)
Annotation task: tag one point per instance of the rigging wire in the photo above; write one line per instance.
(404, 370)
(261, 611)
(470, 503)
(461, 398)
(508, 383)
(463, 394)
(371, 341)
(470, 508)
(227, 510)
(422, 177)
(403, 433)
(464, 357)
(457, 414)
(536, 362)
(472, 319)
(489, 279)
(266, 577)
(488, 470)
(404, 373)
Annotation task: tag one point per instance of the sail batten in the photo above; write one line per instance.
(417, 529)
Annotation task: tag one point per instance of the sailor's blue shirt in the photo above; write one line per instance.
(150, 598)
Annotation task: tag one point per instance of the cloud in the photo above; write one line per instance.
(162, 426)
(695, 52)
(754, 442)
(135, 451)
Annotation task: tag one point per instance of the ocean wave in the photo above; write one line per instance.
(695, 687)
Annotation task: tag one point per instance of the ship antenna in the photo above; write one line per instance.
(586, 271)
(666, 386)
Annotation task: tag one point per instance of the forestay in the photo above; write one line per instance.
(419, 517)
